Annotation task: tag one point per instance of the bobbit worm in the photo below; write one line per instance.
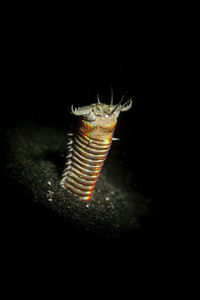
(89, 145)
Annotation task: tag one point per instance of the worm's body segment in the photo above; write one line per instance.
(89, 146)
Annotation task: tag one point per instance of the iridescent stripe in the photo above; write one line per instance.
(84, 166)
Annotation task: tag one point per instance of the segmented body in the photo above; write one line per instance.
(88, 147)
(86, 159)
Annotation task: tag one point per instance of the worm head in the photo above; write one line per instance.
(101, 110)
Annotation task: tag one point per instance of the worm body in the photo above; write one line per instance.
(89, 145)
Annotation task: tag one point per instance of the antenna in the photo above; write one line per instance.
(111, 102)
(98, 99)
(122, 98)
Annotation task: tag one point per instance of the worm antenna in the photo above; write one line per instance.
(118, 105)
(111, 101)
(122, 99)
(98, 99)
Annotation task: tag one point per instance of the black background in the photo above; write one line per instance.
(49, 67)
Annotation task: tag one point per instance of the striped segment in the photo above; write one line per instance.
(85, 160)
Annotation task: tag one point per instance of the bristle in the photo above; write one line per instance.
(70, 142)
